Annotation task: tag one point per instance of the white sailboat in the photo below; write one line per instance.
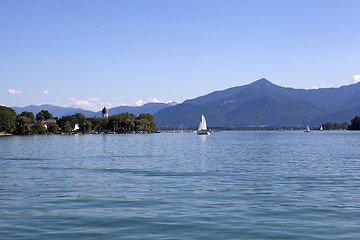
(307, 129)
(321, 128)
(202, 129)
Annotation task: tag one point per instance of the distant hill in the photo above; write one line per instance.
(146, 108)
(56, 111)
(63, 111)
(263, 103)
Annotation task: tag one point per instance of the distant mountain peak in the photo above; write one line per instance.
(264, 103)
(263, 82)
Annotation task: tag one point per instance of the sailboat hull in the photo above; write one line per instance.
(203, 133)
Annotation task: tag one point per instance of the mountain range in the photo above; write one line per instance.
(263, 103)
(57, 111)
(260, 103)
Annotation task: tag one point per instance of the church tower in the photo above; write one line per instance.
(105, 113)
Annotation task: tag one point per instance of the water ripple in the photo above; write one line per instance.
(229, 185)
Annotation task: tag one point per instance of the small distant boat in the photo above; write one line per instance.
(307, 130)
(202, 129)
(321, 128)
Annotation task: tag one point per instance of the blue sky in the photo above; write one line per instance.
(88, 54)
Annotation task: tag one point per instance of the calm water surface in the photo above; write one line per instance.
(229, 185)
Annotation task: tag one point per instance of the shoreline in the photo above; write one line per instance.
(5, 134)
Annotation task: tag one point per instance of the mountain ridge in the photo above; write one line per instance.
(264, 103)
(260, 103)
(58, 111)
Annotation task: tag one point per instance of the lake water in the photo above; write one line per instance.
(229, 185)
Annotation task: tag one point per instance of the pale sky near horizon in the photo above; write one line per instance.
(90, 54)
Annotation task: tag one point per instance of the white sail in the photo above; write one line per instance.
(321, 128)
(202, 125)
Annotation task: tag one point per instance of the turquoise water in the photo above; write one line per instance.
(229, 185)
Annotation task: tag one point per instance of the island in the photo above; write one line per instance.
(27, 123)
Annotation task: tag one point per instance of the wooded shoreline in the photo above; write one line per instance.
(44, 123)
(26, 123)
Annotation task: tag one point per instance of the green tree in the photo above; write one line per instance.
(54, 128)
(345, 126)
(113, 122)
(71, 119)
(98, 124)
(67, 127)
(80, 118)
(23, 125)
(328, 126)
(142, 125)
(355, 123)
(7, 119)
(86, 127)
(29, 115)
(127, 121)
(43, 115)
(147, 122)
(38, 128)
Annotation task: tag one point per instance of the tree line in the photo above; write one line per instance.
(355, 125)
(27, 123)
(335, 126)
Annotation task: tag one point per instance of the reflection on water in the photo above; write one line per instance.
(228, 185)
(203, 151)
